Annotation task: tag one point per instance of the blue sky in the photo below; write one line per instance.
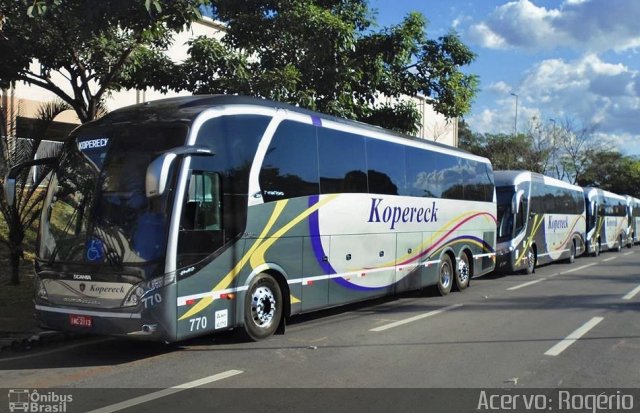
(567, 60)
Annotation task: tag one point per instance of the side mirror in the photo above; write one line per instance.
(515, 201)
(10, 180)
(158, 170)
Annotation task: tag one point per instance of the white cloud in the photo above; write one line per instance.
(588, 89)
(593, 25)
(500, 88)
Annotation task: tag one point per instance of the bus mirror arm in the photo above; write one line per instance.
(515, 201)
(158, 169)
(10, 180)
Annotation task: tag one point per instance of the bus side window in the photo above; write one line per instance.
(201, 211)
(521, 215)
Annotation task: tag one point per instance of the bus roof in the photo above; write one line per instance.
(511, 178)
(187, 108)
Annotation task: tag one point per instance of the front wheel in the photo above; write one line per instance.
(445, 275)
(619, 248)
(262, 307)
(596, 249)
(463, 275)
(531, 261)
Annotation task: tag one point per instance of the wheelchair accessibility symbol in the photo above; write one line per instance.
(94, 250)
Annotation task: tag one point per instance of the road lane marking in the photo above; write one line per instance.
(579, 268)
(628, 253)
(573, 337)
(166, 392)
(415, 318)
(516, 287)
(609, 259)
(632, 293)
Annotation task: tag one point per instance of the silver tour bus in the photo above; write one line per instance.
(540, 220)
(193, 215)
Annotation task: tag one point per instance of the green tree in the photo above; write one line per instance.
(83, 50)
(612, 171)
(326, 55)
(25, 210)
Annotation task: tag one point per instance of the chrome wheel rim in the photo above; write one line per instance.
(530, 259)
(263, 306)
(463, 271)
(445, 275)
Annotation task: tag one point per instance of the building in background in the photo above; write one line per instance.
(24, 100)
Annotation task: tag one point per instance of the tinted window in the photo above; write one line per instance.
(423, 176)
(386, 168)
(290, 167)
(452, 176)
(342, 162)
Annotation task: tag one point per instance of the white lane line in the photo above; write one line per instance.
(579, 268)
(415, 318)
(632, 293)
(517, 287)
(628, 253)
(609, 259)
(573, 337)
(166, 392)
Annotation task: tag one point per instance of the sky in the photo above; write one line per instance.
(566, 60)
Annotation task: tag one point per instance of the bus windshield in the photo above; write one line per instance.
(505, 213)
(96, 210)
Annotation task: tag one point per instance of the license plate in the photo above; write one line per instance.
(80, 320)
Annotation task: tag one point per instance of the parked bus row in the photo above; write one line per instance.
(541, 220)
(188, 216)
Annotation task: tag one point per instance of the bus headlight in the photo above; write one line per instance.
(41, 291)
(140, 290)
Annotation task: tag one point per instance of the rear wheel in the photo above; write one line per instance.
(531, 261)
(619, 248)
(596, 250)
(262, 307)
(572, 256)
(463, 275)
(445, 275)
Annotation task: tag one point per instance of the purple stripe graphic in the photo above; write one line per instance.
(316, 121)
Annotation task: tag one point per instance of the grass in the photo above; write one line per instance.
(16, 301)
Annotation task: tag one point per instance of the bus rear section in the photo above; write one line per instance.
(540, 220)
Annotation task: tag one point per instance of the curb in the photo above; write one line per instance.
(26, 341)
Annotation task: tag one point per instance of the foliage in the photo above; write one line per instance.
(325, 55)
(506, 152)
(612, 171)
(21, 215)
(81, 51)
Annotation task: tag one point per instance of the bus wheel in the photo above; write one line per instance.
(262, 307)
(531, 261)
(445, 275)
(463, 274)
(619, 247)
(596, 250)
(572, 256)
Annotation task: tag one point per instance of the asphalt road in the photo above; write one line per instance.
(566, 326)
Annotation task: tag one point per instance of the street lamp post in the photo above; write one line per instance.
(515, 123)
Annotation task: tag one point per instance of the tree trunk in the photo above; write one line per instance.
(14, 262)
